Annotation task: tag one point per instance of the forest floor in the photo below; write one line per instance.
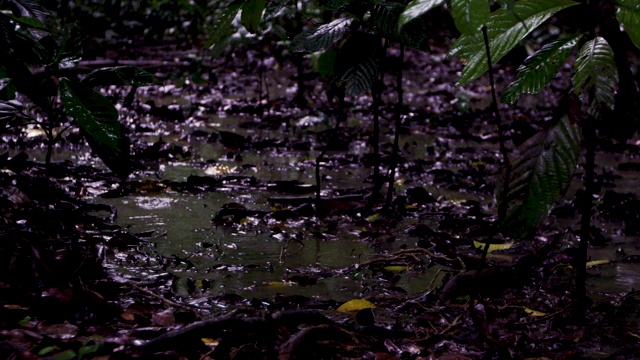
(59, 301)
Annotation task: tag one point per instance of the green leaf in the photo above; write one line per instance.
(385, 18)
(595, 69)
(326, 62)
(252, 14)
(469, 15)
(69, 47)
(92, 111)
(357, 63)
(356, 305)
(274, 8)
(415, 9)
(31, 8)
(221, 28)
(539, 69)
(120, 75)
(322, 37)
(629, 17)
(540, 175)
(505, 29)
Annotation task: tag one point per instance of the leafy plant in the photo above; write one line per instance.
(545, 163)
(59, 49)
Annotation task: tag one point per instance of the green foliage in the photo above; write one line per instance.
(120, 75)
(595, 70)
(92, 112)
(221, 28)
(357, 63)
(322, 37)
(540, 175)
(252, 14)
(540, 68)
(505, 29)
(469, 15)
(415, 9)
(385, 18)
(629, 16)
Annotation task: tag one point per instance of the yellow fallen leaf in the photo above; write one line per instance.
(597, 263)
(493, 247)
(356, 305)
(533, 312)
(209, 341)
(396, 268)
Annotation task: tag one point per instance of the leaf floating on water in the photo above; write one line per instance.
(492, 247)
(533, 312)
(356, 305)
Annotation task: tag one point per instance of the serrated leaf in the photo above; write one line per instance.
(221, 28)
(322, 37)
(92, 111)
(252, 14)
(415, 9)
(540, 175)
(385, 18)
(505, 29)
(356, 305)
(120, 75)
(469, 15)
(539, 68)
(357, 63)
(595, 69)
(629, 16)
(30, 8)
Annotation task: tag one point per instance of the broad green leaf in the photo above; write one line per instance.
(505, 29)
(92, 111)
(357, 63)
(31, 8)
(322, 37)
(415, 9)
(540, 175)
(120, 75)
(385, 18)
(252, 14)
(221, 28)
(629, 17)
(469, 15)
(9, 112)
(539, 68)
(326, 62)
(356, 305)
(595, 69)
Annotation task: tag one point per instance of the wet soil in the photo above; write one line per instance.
(235, 258)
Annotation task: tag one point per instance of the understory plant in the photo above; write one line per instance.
(38, 57)
(541, 169)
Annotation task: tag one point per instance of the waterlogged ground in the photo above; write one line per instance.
(216, 248)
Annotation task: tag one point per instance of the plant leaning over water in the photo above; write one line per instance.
(31, 37)
(542, 169)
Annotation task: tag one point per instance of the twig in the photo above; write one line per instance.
(162, 298)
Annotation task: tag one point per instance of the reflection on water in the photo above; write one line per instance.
(151, 203)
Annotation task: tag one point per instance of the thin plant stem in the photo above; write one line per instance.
(398, 124)
(503, 206)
